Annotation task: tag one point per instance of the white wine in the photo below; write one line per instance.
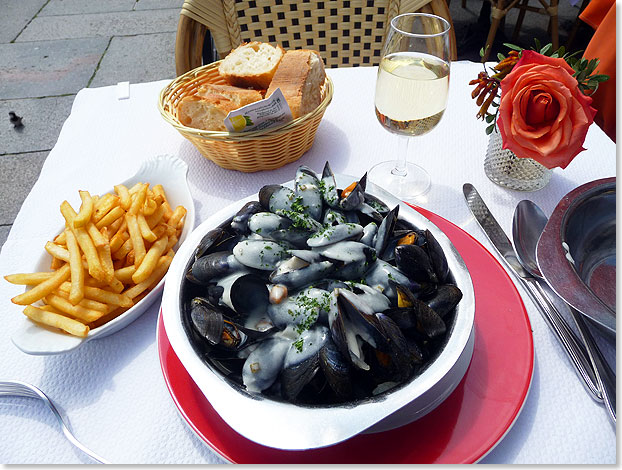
(411, 92)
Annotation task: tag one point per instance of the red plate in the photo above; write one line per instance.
(463, 429)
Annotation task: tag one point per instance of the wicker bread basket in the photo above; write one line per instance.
(244, 151)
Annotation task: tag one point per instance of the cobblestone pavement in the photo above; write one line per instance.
(50, 49)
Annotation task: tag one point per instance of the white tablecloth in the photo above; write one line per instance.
(112, 389)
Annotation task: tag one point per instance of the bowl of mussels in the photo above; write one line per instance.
(320, 309)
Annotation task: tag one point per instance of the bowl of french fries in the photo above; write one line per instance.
(106, 265)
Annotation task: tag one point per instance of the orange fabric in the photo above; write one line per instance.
(601, 15)
(595, 12)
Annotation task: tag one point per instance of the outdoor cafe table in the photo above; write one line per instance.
(112, 389)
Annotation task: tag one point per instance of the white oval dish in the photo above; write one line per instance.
(169, 171)
(293, 427)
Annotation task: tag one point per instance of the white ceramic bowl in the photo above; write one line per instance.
(169, 171)
(296, 427)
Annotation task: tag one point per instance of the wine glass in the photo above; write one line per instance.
(411, 95)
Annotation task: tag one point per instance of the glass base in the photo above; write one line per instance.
(504, 168)
(407, 187)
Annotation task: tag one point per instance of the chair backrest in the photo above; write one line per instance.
(346, 33)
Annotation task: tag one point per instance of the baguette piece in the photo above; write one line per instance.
(300, 76)
(239, 96)
(207, 113)
(208, 108)
(251, 65)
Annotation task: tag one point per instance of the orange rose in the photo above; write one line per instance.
(542, 114)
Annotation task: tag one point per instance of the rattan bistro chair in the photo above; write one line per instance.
(347, 33)
(500, 8)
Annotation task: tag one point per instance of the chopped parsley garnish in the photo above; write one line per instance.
(298, 344)
(298, 206)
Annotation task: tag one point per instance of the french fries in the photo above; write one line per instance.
(86, 210)
(76, 293)
(112, 252)
(56, 320)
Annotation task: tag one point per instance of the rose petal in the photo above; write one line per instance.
(541, 108)
(542, 113)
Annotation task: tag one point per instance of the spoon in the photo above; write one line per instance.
(529, 221)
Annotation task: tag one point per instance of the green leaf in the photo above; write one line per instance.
(538, 46)
(489, 118)
(571, 58)
(512, 46)
(545, 50)
(591, 66)
(500, 56)
(481, 52)
(600, 77)
(582, 75)
(490, 128)
(561, 51)
(248, 120)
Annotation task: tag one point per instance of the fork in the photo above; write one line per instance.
(17, 388)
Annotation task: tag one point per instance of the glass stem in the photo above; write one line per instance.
(402, 151)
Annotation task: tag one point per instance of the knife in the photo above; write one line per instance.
(572, 345)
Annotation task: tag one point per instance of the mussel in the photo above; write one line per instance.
(318, 295)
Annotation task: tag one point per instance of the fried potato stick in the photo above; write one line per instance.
(85, 303)
(145, 231)
(44, 288)
(86, 210)
(104, 205)
(123, 250)
(138, 245)
(155, 218)
(158, 190)
(125, 274)
(119, 238)
(150, 206)
(114, 227)
(115, 214)
(96, 236)
(124, 196)
(55, 320)
(159, 272)
(101, 295)
(29, 279)
(85, 242)
(176, 217)
(76, 294)
(117, 286)
(74, 311)
(138, 200)
(150, 260)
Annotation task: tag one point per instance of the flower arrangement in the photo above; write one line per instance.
(544, 109)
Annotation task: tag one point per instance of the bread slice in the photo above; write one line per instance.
(208, 108)
(300, 76)
(251, 65)
(239, 96)
(205, 112)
